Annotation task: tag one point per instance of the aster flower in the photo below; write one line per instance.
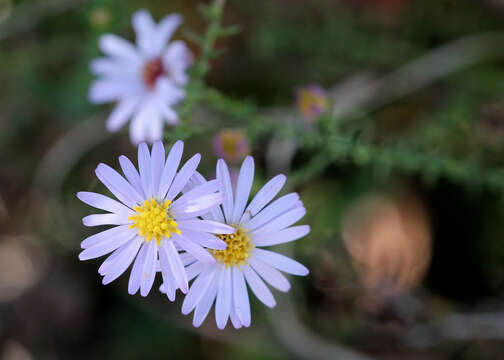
(231, 145)
(146, 80)
(312, 101)
(150, 221)
(243, 262)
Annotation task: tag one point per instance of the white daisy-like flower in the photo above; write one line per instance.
(151, 222)
(243, 261)
(146, 80)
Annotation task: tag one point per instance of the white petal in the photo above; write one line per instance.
(205, 303)
(105, 247)
(186, 258)
(208, 187)
(240, 297)
(276, 208)
(265, 195)
(145, 30)
(106, 90)
(169, 281)
(105, 219)
(258, 287)
(176, 266)
(103, 202)
(131, 174)
(109, 261)
(215, 213)
(194, 249)
(281, 262)
(167, 113)
(155, 126)
(122, 262)
(157, 166)
(234, 318)
(227, 189)
(282, 221)
(183, 176)
(280, 237)
(204, 239)
(194, 270)
(177, 59)
(149, 269)
(198, 289)
(168, 94)
(117, 185)
(270, 274)
(170, 168)
(206, 226)
(137, 270)
(117, 47)
(121, 114)
(245, 180)
(144, 164)
(197, 206)
(107, 235)
(114, 68)
(223, 303)
(165, 30)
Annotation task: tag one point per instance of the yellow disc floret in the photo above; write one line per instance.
(237, 251)
(153, 220)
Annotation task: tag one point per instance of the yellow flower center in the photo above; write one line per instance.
(237, 251)
(153, 220)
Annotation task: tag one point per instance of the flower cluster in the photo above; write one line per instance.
(173, 221)
(168, 218)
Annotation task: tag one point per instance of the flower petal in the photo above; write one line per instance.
(198, 289)
(144, 165)
(157, 165)
(149, 269)
(240, 297)
(281, 222)
(195, 250)
(170, 168)
(117, 185)
(121, 113)
(276, 208)
(258, 287)
(107, 235)
(206, 226)
(131, 174)
(165, 30)
(280, 237)
(265, 195)
(103, 202)
(223, 303)
(176, 266)
(105, 247)
(245, 180)
(183, 176)
(205, 304)
(105, 219)
(281, 262)
(117, 47)
(136, 271)
(227, 189)
(123, 261)
(271, 275)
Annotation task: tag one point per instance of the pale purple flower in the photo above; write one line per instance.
(312, 101)
(231, 145)
(151, 222)
(146, 80)
(258, 224)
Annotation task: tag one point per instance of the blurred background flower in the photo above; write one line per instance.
(232, 145)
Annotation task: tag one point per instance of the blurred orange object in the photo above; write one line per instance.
(390, 243)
